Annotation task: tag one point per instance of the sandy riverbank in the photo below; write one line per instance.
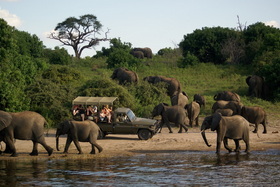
(125, 145)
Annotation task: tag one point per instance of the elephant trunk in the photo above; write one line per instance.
(204, 138)
(57, 142)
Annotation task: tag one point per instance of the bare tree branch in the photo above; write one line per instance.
(240, 26)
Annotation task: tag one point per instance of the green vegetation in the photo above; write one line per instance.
(46, 81)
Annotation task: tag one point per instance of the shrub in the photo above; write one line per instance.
(105, 87)
(57, 56)
(188, 60)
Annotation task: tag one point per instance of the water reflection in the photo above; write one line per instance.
(152, 169)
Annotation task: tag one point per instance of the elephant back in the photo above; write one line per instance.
(180, 99)
(227, 96)
(146, 51)
(125, 76)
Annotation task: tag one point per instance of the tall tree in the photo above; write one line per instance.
(79, 33)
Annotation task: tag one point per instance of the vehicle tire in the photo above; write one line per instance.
(144, 134)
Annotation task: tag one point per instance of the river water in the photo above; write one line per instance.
(182, 168)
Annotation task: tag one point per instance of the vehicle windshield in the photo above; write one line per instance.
(131, 115)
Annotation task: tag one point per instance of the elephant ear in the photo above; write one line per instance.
(5, 119)
(248, 79)
(215, 121)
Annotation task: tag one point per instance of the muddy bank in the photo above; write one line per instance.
(121, 145)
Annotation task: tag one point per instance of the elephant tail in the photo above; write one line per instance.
(47, 126)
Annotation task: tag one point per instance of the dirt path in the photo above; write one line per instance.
(121, 145)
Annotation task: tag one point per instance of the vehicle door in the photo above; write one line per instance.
(123, 125)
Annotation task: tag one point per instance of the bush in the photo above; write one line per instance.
(57, 56)
(121, 58)
(147, 96)
(188, 60)
(105, 87)
(271, 72)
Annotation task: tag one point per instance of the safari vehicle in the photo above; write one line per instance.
(123, 121)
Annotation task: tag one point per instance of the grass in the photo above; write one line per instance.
(205, 78)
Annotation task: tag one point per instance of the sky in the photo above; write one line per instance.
(143, 23)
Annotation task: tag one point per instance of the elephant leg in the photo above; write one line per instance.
(92, 149)
(160, 128)
(35, 149)
(218, 147)
(7, 149)
(256, 128)
(191, 122)
(181, 128)
(68, 142)
(226, 145)
(196, 122)
(9, 140)
(44, 144)
(77, 144)
(94, 144)
(264, 128)
(11, 145)
(237, 146)
(169, 127)
(247, 150)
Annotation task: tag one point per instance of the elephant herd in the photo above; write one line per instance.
(30, 125)
(230, 118)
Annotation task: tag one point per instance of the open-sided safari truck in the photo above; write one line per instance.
(123, 120)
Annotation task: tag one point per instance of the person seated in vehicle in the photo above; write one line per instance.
(106, 113)
(122, 117)
(82, 112)
(75, 110)
(92, 113)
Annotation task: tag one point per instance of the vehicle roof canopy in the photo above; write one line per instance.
(122, 110)
(81, 100)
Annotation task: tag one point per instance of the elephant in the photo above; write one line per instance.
(173, 85)
(193, 112)
(199, 99)
(83, 131)
(227, 96)
(175, 114)
(227, 127)
(255, 115)
(137, 54)
(257, 86)
(125, 76)
(181, 99)
(233, 105)
(224, 112)
(25, 125)
(146, 51)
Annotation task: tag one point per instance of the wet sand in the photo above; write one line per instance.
(165, 142)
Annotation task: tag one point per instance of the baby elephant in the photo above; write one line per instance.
(83, 131)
